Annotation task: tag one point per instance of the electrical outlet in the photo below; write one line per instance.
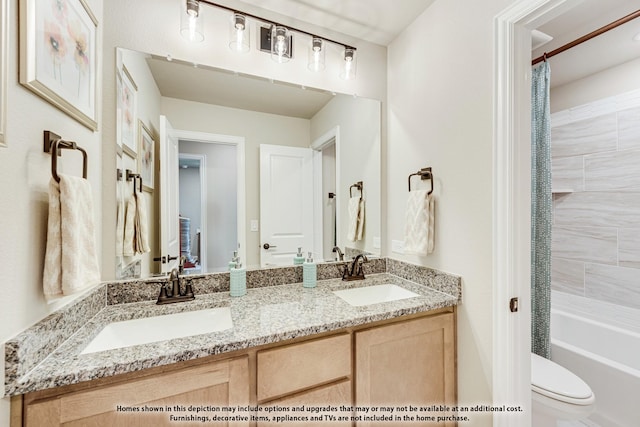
(397, 246)
(254, 225)
(377, 244)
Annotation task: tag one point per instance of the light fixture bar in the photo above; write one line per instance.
(268, 21)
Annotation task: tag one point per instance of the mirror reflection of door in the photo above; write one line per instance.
(212, 211)
(169, 212)
(286, 203)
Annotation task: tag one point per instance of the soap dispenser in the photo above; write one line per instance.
(309, 273)
(234, 258)
(299, 258)
(238, 279)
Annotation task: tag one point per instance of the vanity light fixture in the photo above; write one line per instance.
(316, 54)
(348, 71)
(274, 38)
(191, 21)
(239, 33)
(280, 44)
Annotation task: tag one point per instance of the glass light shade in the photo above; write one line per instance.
(239, 34)
(191, 21)
(316, 54)
(348, 71)
(280, 44)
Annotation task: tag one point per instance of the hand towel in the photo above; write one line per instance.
(71, 262)
(136, 240)
(141, 225)
(128, 243)
(356, 219)
(419, 229)
(120, 226)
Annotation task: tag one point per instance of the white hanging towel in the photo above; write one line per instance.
(419, 226)
(70, 262)
(128, 245)
(356, 219)
(136, 240)
(141, 225)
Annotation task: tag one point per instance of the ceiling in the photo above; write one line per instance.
(610, 49)
(220, 87)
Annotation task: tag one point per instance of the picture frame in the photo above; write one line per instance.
(59, 55)
(146, 157)
(4, 25)
(126, 107)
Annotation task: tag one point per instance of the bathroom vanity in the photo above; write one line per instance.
(288, 346)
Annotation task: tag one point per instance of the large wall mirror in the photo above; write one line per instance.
(232, 162)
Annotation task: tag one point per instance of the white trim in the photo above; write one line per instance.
(203, 205)
(239, 142)
(511, 204)
(332, 136)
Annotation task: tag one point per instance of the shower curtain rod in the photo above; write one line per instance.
(589, 36)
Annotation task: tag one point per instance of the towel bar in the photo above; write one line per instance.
(358, 185)
(424, 173)
(134, 177)
(53, 144)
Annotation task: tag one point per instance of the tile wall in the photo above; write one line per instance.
(595, 151)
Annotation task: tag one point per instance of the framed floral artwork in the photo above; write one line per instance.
(58, 55)
(126, 123)
(146, 157)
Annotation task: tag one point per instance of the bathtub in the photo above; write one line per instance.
(607, 358)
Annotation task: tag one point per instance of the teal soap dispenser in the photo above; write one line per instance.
(234, 258)
(299, 258)
(238, 279)
(309, 273)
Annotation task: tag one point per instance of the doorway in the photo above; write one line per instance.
(222, 196)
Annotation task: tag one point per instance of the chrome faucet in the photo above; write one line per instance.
(355, 272)
(171, 292)
(339, 254)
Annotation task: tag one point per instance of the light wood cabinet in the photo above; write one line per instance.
(411, 362)
(224, 383)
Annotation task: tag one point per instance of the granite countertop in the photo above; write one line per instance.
(264, 315)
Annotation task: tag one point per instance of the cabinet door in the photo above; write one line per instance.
(410, 362)
(224, 383)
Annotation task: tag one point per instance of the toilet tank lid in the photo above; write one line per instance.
(553, 378)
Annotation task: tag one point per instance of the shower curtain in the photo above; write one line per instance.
(541, 211)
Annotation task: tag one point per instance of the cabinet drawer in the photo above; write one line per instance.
(335, 394)
(295, 367)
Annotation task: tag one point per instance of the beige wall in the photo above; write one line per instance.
(360, 127)
(440, 115)
(613, 81)
(24, 177)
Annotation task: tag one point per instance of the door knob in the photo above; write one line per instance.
(267, 246)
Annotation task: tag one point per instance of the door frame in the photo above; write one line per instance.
(239, 142)
(511, 364)
(203, 205)
(332, 136)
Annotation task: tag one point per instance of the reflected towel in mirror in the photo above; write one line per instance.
(356, 219)
(71, 262)
(136, 240)
(420, 221)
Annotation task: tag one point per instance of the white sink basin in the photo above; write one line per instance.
(159, 328)
(374, 294)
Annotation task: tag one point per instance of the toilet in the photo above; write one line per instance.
(557, 394)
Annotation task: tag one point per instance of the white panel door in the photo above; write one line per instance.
(169, 202)
(286, 203)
